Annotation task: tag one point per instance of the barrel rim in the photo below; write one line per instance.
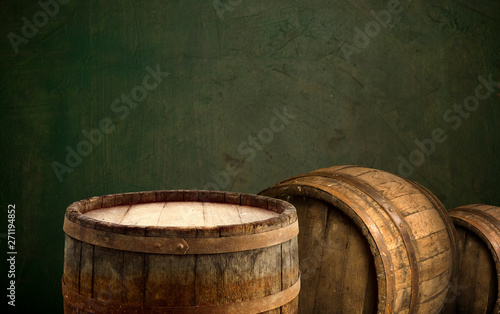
(476, 227)
(287, 213)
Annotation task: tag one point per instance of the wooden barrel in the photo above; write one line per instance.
(370, 242)
(478, 230)
(181, 252)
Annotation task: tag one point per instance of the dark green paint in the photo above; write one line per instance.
(226, 78)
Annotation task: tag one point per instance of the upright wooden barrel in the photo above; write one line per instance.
(370, 242)
(181, 252)
(478, 230)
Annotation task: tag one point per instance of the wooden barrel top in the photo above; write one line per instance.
(181, 214)
(181, 222)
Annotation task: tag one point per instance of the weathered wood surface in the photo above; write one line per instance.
(181, 214)
(370, 241)
(156, 283)
(478, 284)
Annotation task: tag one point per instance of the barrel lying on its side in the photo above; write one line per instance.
(181, 252)
(370, 241)
(478, 286)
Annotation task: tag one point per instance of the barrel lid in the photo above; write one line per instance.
(181, 215)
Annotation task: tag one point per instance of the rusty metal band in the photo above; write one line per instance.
(400, 225)
(259, 305)
(180, 246)
(374, 232)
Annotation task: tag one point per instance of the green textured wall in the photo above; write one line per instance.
(256, 91)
